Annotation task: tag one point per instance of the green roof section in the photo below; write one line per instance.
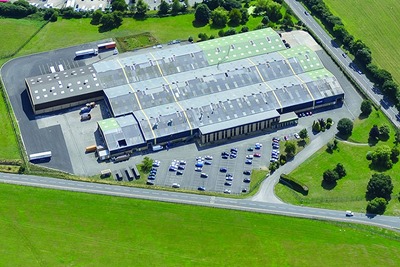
(241, 46)
(107, 125)
(316, 75)
(307, 58)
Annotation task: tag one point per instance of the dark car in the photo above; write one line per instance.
(224, 153)
(150, 182)
(246, 180)
(249, 161)
(179, 172)
(250, 149)
(234, 150)
(228, 183)
(203, 175)
(233, 156)
(201, 188)
(181, 167)
(151, 177)
(246, 172)
(244, 190)
(223, 169)
(207, 162)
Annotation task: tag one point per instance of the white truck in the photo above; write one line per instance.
(91, 51)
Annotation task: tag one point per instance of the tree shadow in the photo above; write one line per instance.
(377, 168)
(198, 24)
(384, 138)
(343, 136)
(328, 186)
(301, 143)
(363, 116)
(233, 25)
(330, 151)
(372, 141)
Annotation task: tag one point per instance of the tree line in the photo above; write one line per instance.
(362, 53)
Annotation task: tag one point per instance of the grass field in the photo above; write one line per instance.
(349, 193)
(42, 227)
(8, 142)
(65, 33)
(376, 24)
(17, 31)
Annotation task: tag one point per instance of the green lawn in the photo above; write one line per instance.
(362, 126)
(349, 193)
(376, 24)
(64, 33)
(8, 142)
(17, 31)
(41, 227)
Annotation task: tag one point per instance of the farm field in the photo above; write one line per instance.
(349, 193)
(41, 227)
(376, 24)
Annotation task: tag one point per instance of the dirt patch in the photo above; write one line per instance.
(132, 42)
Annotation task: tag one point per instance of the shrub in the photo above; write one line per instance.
(377, 206)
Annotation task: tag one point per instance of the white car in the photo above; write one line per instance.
(297, 135)
(208, 157)
(349, 213)
(227, 191)
(249, 157)
(176, 185)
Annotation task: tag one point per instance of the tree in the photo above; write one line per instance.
(366, 107)
(381, 157)
(219, 17)
(345, 126)
(380, 185)
(340, 170)
(265, 20)
(96, 17)
(163, 8)
(48, 13)
(245, 16)
(202, 14)
(397, 136)
(273, 11)
(374, 132)
(147, 163)
(330, 176)
(394, 156)
(316, 127)
(213, 4)
(119, 5)
(377, 206)
(54, 16)
(231, 4)
(235, 16)
(176, 7)
(141, 8)
(303, 133)
(330, 146)
(290, 148)
(390, 88)
(384, 131)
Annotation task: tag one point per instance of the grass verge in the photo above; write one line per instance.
(43, 227)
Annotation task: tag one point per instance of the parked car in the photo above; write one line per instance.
(223, 169)
(233, 156)
(198, 169)
(244, 190)
(234, 150)
(150, 182)
(176, 185)
(257, 155)
(229, 178)
(249, 161)
(203, 175)
(224, 153)
(179, 172)
(227, 191)
(297, 136)
(182, 162)
(201, 188)
(151, 177)
(181, 167)
(172, 168)
(225, 157)
(247, 172)
(208, 157)
(246, 180)
(249, 157)
(250, 149)
(228, 183)
(207, 162)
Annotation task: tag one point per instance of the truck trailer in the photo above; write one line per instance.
(91, 51)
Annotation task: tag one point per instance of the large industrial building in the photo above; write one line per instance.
(212, 90)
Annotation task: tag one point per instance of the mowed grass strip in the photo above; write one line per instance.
(376, 24)
(41, 227)
(9, 148)
(64, 33)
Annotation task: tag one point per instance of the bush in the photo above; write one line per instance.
(329, 120)
(377, 206)
(294, 184)
(369, 155)
(330, 176)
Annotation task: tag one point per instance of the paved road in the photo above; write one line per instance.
(201, 200)
(345, 62)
